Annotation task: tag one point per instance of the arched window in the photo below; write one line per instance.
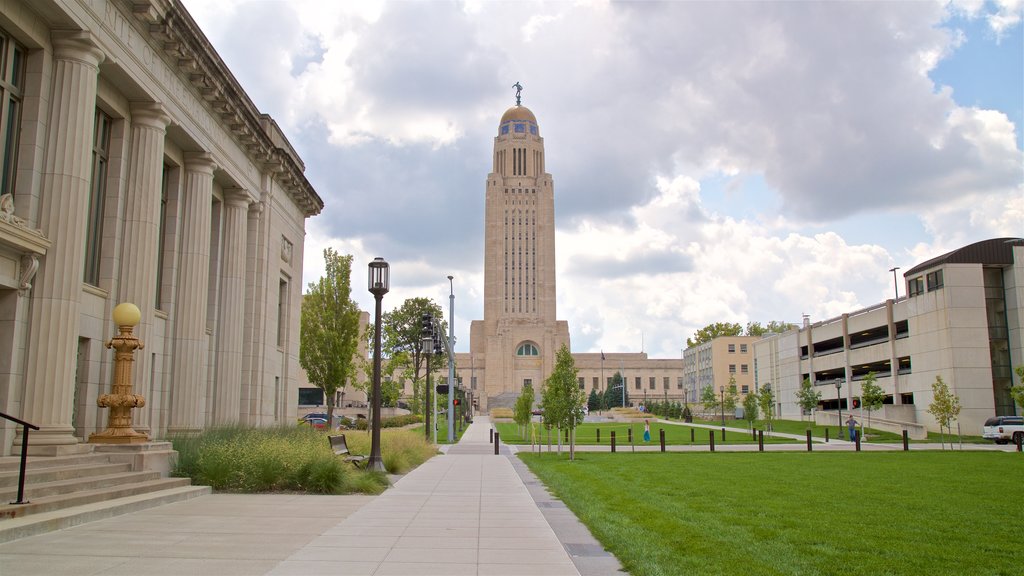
(527, 349)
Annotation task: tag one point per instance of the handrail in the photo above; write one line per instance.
(24, 455)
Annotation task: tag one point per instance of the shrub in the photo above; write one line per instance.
(501, 413)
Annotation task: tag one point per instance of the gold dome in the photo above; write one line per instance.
(521, 113)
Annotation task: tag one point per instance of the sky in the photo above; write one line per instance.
(712, 161)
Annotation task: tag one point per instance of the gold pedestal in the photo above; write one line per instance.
(121, 400)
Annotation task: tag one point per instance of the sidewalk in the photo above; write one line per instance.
(464, 512)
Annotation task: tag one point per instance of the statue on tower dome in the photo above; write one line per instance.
(519, 90)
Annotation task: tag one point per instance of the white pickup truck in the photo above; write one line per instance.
(1004, 429)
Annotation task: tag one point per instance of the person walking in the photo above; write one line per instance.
(851, 425)
(647, 431)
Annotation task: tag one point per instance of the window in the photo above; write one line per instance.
(651, 382)
(744, 369)
(732, 368)
(636, 383)
(746, 388)
(161, 239)
(527, 382)
(743, 348)
(527, 349)
(732, 348)
(679, 382)
(12, 65)
(915, 286)
(97, 195)
(665, 381)
(504, 129)
(595, 382)
(521, 128)
(282, 311)
(581, 382)
(934, 280)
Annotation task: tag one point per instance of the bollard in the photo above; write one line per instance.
(826, 435)
(691, 435)
(753, 433)
(906, 441)
(711, 439)
(857, 436)
(723, 435)
(613, 440)
(631, 434)
(760, 440)
(598, 435)
(661, 432)
(496, 441)
(490, 439)
(808, 440)
(1019, 437)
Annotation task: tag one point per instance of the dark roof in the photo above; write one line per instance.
(994, 252)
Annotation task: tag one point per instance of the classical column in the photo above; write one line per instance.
(189, 370)
(253, 316)
(228, 381)
(140, 244)
(64, 193)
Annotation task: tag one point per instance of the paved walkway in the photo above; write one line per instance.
(464, 512)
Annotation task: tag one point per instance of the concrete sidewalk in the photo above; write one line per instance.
(464, 512)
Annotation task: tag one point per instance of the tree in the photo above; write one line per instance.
(1017, 392)
(871, 395)
(766, 399)
(756, 329)
(731, 396)
(613, 395)
(562, 399)
(523, 411)
(709, 400)
(401, 337)
(750, 409)
(712, 331)
(807, 397)
(945, 407)
(593, 401)
(329, 332)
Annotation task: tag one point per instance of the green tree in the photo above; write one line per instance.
(523, 410)
(756, 329)
(807, 397)
(766, 399)
(401, 337)
(1017, 392)
(613, 395)
(945, 407)
(709, 400)
(593, 401)
(871, 395)
(731, 396)
(712, 331)
(562, 399)
(329, 329)
(750, 409)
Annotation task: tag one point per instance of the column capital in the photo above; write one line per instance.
(237, 197)
(150, 114)
(77, 45)
(200, 162)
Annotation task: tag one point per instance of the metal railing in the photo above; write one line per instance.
(25, 426)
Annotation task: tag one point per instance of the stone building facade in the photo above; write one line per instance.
(136, 169)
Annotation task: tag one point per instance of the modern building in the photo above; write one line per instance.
(136, 169)
(516, 342)
(962, 320)
(719, 363)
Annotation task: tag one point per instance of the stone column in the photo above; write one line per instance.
(228, 380)
(64, 194)
(189, 370)
(140, 243)
(253, 316)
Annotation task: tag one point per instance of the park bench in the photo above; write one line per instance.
(340, 448)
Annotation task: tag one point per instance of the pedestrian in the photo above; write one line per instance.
(851, 424)
(647, 431)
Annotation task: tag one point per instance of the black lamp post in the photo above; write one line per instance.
(839, 402)
(721, 390)
(427, 344)
(378, 285)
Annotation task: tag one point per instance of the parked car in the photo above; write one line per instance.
(1003, 429)
(307, 417)
(317, 423)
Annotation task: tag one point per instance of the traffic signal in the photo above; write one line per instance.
(427, 325)
(457, 402)
(442, 389)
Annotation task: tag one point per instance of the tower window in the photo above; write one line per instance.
(527, 349)
(520, 128)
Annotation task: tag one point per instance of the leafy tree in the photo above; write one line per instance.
(593, 401)
(750, 409)
(1017, 392)
(731, 396)
(712, 331)
(807, 397)
(562, 399)
(871, 395)
(523, 411)
(945, 407)
(709, 400)
(766, 399)
(329, 332)
(756, 329)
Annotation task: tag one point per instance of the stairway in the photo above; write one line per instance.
(98, 482)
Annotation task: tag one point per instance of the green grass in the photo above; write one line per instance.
(442, 430)
(850, 514)
(586, 434)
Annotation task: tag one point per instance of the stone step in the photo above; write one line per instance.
(42, 522)
(9, 463)
(38, 490)
(38, 475)
(58, 501)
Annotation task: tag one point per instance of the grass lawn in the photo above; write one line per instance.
(849, 514)
(587, 434)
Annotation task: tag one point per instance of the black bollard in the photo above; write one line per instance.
(613, 440)
(496, 442)
(906, 441)
(723, 435)
(826, 434)
(490, 439)
(753, 433)
(760, 440)
(691, 436)
(1019, 437)
(661, 432)
(711, 439)
(630, 434)
(857, 436)
(598, 435)
(808, 440)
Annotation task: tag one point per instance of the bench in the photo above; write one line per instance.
(340, 448)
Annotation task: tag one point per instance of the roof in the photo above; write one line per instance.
(994, 252)
(521, 113)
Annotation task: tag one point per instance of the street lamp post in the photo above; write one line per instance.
(895, 285)
(839, 402)
(721, 391)
(427, 333)
(451, 361)
(379, 280)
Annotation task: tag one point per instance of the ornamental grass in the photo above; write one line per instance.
(291, 459)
